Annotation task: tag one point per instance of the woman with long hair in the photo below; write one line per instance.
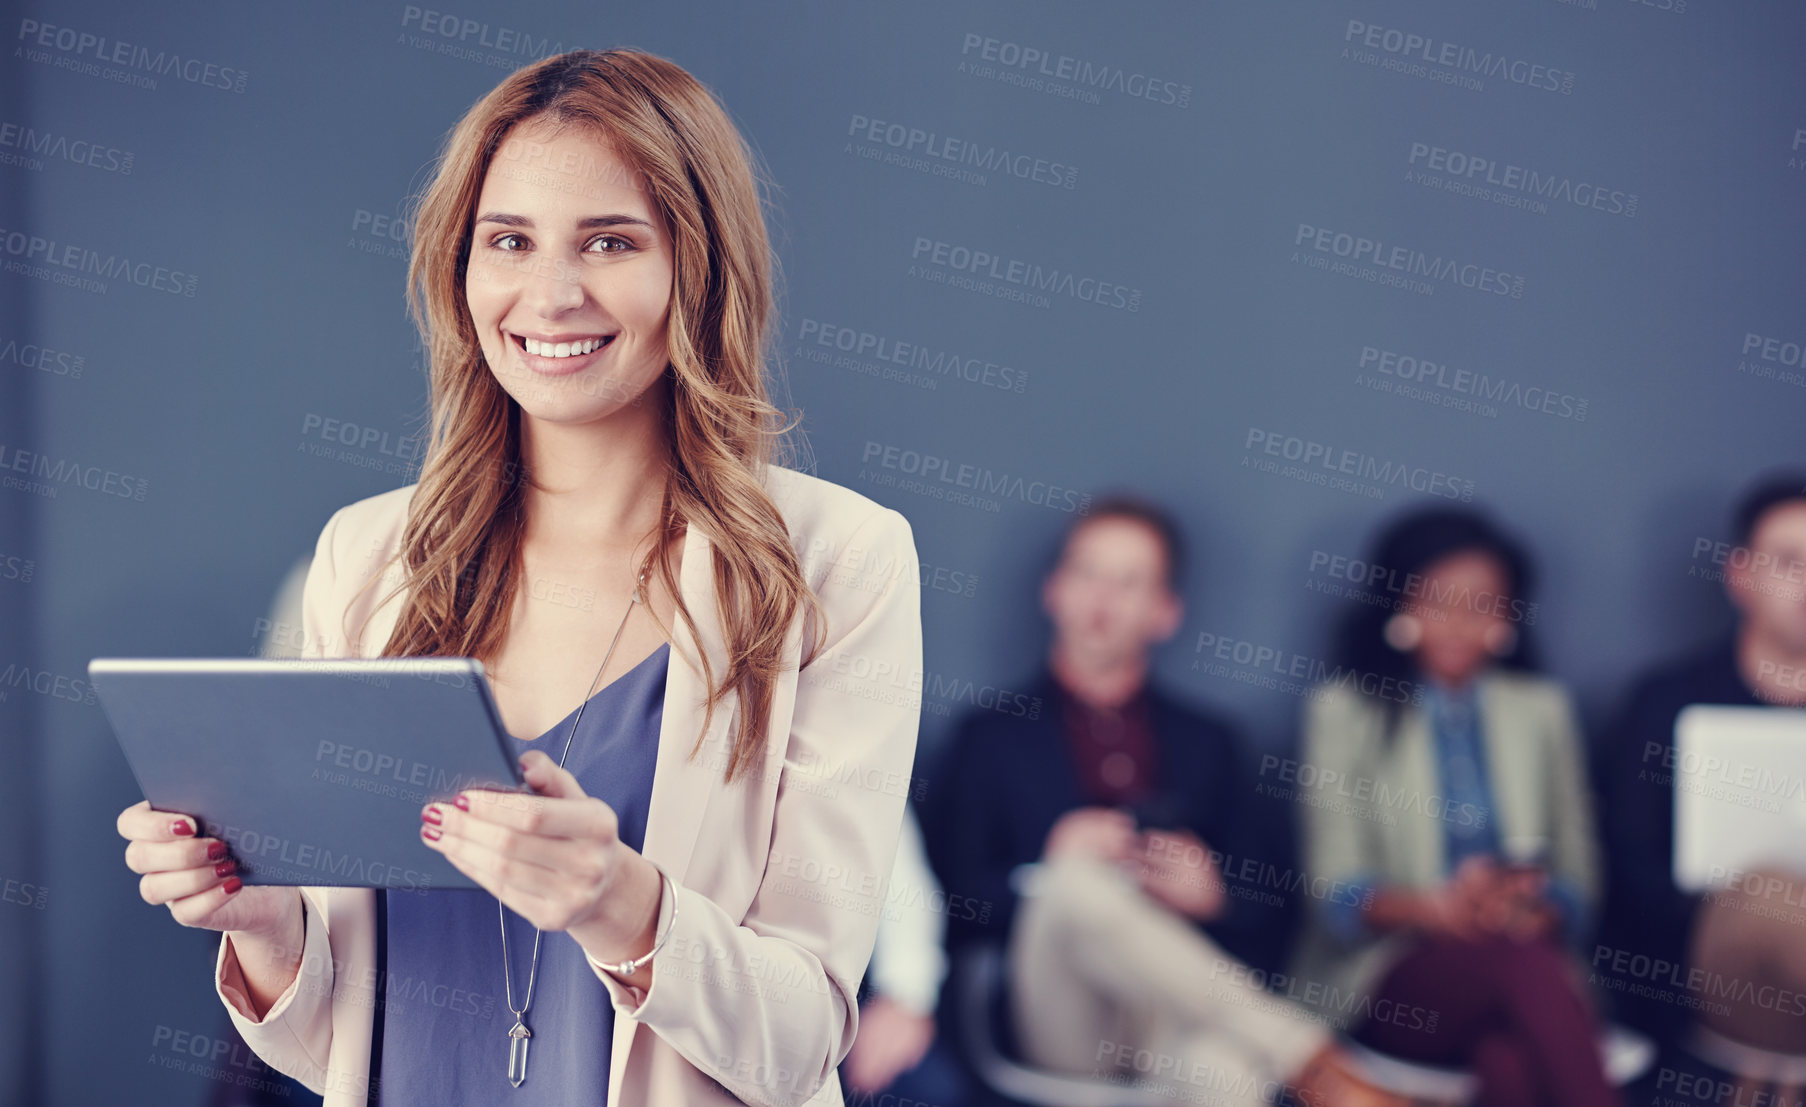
(1443, 791)
(688, 901)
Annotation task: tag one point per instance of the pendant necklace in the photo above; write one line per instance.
(518, 1034)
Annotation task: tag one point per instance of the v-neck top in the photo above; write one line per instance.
(442, 1015)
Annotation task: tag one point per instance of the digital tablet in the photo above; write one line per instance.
(1739, 776)
(312, 772)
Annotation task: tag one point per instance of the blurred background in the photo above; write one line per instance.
(1065, 248)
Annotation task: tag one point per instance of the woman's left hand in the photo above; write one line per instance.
(554, 856)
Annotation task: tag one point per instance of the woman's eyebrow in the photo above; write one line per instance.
(585, 223)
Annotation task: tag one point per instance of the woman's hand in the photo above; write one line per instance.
(555, 857)
(193, 876)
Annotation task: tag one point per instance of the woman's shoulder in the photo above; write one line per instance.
(373, 515)
(364, 532)
(821, 515)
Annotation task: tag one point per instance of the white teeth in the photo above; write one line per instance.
(562, 349)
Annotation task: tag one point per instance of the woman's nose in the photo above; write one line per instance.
(555, 285)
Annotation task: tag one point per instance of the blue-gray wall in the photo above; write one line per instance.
(220, 182)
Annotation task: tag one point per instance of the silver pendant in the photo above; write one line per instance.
(518, 1035)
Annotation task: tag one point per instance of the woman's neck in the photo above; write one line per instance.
(595, 484)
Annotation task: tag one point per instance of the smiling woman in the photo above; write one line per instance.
(592, 277)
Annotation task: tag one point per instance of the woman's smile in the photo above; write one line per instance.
(559, 355)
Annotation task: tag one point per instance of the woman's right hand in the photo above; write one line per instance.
(194, 875)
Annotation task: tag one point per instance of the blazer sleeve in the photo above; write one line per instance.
(295, 1035)
(1339, 828)
(776, 1017)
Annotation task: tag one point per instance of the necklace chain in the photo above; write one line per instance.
(520, 1012)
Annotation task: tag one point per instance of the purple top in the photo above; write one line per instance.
(442, 1022)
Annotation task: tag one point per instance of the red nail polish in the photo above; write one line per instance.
(432, 832)
(216, 849)
(232, 884)
(431, 815)
(182, 827)
(461, 803)
(224, 868)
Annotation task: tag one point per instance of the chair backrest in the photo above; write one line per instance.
(980, 976)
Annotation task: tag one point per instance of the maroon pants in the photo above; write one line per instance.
(1510, 1011)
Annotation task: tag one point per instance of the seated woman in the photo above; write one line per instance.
(1445, 783)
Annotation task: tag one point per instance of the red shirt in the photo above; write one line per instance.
(1112, 747)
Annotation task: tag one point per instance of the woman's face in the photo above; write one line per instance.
(569, 282)
(1462, 604)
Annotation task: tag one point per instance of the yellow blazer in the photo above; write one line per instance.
(780, 877)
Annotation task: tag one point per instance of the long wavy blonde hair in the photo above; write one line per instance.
(461, 549)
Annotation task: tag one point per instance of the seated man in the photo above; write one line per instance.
(1648, 920)
(1089, 821)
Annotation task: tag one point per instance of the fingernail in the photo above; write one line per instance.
(232, 884)
(432, 832)
(461, 803)
(224, 868)
(182, 827)
(431, 815)
(216, 849)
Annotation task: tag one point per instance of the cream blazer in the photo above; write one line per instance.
(1380, 816)
(780, 877)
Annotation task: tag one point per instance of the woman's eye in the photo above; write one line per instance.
(612, 244)
(504, 238)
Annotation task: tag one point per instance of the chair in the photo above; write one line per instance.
(1758, 1071)
(1363, 1078)
(1369, 1078)
(979, 972)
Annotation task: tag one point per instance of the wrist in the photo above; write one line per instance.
(625, 922)
(282, 936)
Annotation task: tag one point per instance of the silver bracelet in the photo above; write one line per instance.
(628, 968)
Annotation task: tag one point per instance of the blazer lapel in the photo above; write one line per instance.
(681, 787)
(1510, 759)
(1422, 826)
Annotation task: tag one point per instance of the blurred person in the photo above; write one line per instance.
(896, 1058)
(1445, 781)
(1732, 936)
(592, 275)
(1107, 801)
